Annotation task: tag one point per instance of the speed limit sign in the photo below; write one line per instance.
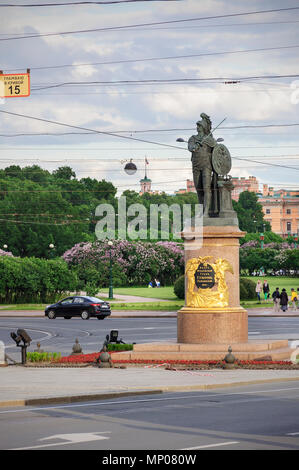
(13, 85)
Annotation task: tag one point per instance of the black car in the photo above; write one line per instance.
(83, 306)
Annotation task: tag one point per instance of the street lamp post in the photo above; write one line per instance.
(5, 247)
(262, 240)
(51, 250)
(110, 243)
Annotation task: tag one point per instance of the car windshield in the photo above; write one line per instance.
(94, 299)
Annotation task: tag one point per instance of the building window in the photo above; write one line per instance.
(268, 211)
(289, 226)
(288, 211)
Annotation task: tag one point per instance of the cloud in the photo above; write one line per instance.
(144, 107)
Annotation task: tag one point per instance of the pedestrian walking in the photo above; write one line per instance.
(266, 290)
(294, 299)
(258, 290)
(284, 300)
(276, 299)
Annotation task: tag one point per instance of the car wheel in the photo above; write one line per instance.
(51, 314)
(67, 318)
(85, 315)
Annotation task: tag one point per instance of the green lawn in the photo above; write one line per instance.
(150, 306)
(171, 302)
(278, 281)
(164, 293)
(23, 307)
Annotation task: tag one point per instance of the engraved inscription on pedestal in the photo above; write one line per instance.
(206, 286)
(204, 276)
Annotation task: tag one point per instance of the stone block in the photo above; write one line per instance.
(2, 354)
(156, 347)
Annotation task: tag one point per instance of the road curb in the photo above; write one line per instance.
(138, 314)
(152, 391)
(77, 398)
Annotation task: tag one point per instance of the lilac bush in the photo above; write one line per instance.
(138, 261)
(5, 253)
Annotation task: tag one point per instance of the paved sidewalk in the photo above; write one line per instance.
(32, 386)
(253, 312)
(21, 386)
(266, 310)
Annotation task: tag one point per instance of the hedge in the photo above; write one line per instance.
(179, 287)
(34, 280)
(247, 289)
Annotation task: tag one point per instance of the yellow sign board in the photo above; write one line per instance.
(14, 85)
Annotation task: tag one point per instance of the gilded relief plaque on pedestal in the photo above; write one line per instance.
(206, 286)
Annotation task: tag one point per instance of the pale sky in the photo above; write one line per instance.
(154, 112)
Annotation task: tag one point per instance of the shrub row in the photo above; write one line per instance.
(43, 356)
(34, 280)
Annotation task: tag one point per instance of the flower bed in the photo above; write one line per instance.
(93, 359)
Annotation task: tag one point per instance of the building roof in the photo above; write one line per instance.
(145, 180)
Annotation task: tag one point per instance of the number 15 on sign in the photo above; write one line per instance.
(13, 85)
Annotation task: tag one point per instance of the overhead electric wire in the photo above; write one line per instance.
(129, 138)
(223, 25)
(90, 130)
(170, 170)
(156, 23)
(151, 59)
(102, 2)
(43, 223)
(245, 126)
(96, 149)
(154, 81)
(45, 191)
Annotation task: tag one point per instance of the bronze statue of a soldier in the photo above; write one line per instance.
(205, 178)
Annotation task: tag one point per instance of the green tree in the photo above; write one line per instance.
(250, 213)
(64, 173)
(38, 208)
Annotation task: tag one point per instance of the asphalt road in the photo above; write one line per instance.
(59, 335)
(256, 417)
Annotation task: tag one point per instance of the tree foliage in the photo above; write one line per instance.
(38, 208)
(250, 213)
(34, 280)
(134, 263)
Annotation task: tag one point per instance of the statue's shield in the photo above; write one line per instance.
(221, 160)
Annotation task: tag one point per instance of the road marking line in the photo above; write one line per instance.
(292, 433)
(212, 445)
(203, 394)
(69, 439)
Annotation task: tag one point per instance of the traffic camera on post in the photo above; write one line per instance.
(23, 336)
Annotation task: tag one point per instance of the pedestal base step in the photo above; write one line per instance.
(276, 350)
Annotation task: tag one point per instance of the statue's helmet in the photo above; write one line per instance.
(205, 123)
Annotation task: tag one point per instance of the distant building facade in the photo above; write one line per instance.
(189, 189)
(281, 210)
(240, 185)
(244, 184)
(280, 207)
